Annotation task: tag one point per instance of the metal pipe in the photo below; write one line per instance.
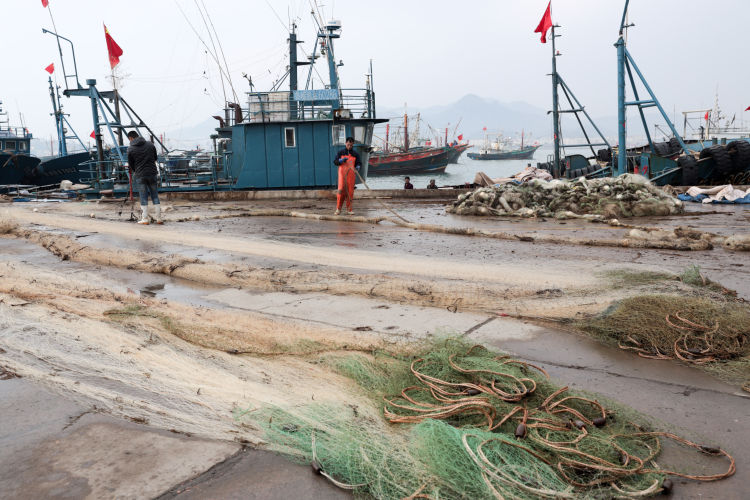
(656, 101)
(621, 116)
(555, 111)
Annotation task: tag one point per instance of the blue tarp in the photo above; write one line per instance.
(701, 197)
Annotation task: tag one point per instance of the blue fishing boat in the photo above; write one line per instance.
(279, 139)
(19, 167)
(16, 162)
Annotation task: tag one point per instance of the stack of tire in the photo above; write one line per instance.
(729, 159)
(668, 148)
(580, 172)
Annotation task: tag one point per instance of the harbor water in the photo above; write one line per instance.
(462, 172)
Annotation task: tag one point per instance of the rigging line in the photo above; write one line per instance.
(216, 56)
(313, 65)
(277, 15)
(208, 50)
(221, 48)
(62, 61)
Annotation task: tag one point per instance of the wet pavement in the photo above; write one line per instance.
(677, 397)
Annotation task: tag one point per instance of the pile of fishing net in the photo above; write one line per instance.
(624, 196)
(691, 329)
(462, 422)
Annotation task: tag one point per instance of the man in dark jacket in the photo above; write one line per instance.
(142, 165)
(347, 160)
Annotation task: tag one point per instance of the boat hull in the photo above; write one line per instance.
(420, 162)
(519, 154)
(456, 152)
(17, 168)
(56, 170)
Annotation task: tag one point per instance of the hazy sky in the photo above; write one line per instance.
(424, 52)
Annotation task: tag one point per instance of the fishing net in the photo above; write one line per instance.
(694, 330)
(467, 423)
(623, 196)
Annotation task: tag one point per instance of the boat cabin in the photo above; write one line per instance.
(13, 140)
(290, 139)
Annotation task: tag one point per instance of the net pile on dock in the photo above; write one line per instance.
(624, 196)
(471, 424)
(693, 330)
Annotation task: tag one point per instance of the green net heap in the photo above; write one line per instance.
(462, 422)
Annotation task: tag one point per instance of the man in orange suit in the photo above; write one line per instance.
(347, 160)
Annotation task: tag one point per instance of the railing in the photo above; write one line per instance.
(305, 105)
(15, 133)
(112, 174)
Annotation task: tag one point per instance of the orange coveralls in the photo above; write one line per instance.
(347, 177)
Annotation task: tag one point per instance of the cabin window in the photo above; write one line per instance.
(359, 134)
(22, 146)
(11, 145)
(339, 134)
(290, 140)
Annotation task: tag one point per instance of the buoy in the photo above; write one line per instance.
(521, 431)
(666, 487)
(316, 467)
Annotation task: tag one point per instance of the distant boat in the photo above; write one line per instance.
(499, 151)
(415, 161)
(410, 160)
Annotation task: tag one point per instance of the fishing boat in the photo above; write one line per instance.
(456, 150)
(407, 160)
(415, 161)
(278, 139)
(501, 149)
(16, 162)
(679, 160)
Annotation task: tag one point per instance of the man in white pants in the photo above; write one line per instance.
(142, 164)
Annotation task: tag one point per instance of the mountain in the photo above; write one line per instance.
(477, 112)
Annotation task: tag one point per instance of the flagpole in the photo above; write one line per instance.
(59, 47)
(117, 107)
(555, 109)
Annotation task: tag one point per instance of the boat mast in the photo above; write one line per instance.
(406, 132)
(387, 131)
(555, 107)
(621, 116)
(62, 147)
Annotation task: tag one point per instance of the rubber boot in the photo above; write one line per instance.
(157, 215)
(144, 215)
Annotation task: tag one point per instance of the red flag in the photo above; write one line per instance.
(748, 108)
(484, 128)
(45, 3)
(93, 134)
(461, 137)
(113, 49)
(545, 23)
(706, 117)
(50, 69)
